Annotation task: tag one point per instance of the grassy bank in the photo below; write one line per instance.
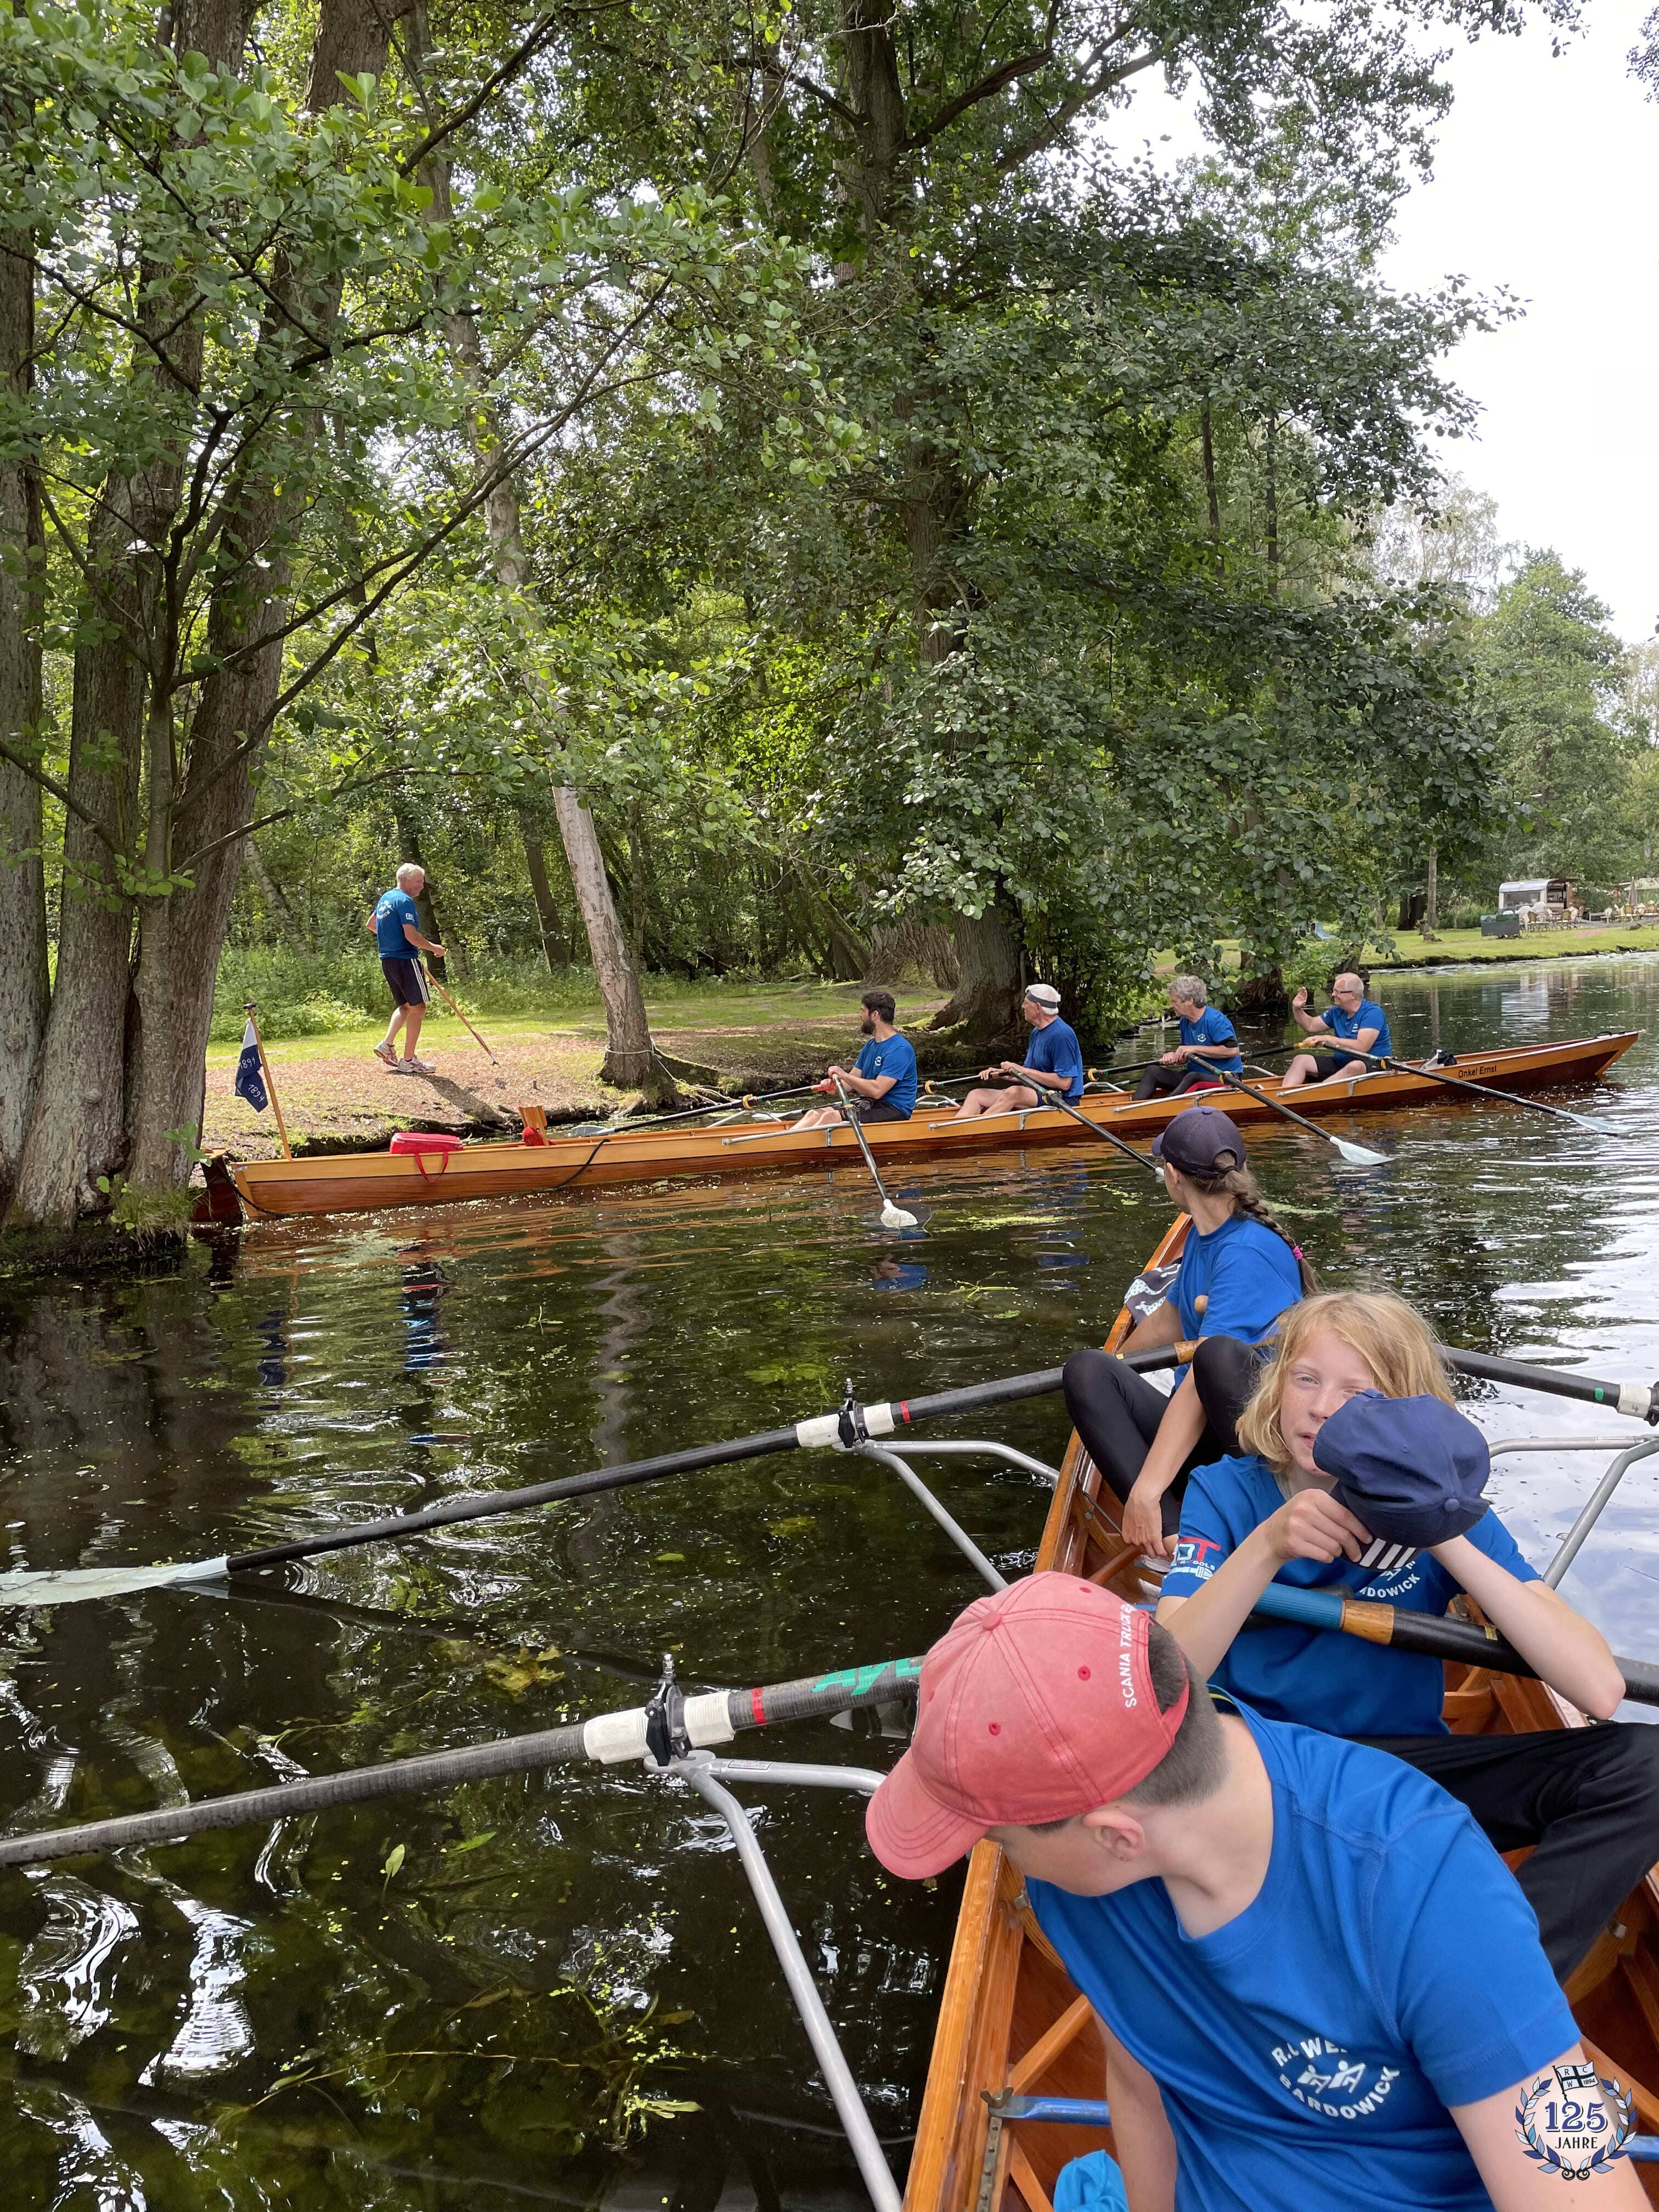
(749, 1035)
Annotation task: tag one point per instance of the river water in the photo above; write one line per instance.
(479, 1999)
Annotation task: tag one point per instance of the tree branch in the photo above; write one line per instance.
(769, 66)
(1068, 111)
(987, 88)
(62, 793)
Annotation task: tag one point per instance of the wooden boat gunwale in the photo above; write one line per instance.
(364, 1182)
(1010, 2019)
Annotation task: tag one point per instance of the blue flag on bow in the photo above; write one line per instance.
(250, 1082)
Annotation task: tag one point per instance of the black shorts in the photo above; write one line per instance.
(1325, 1066)
(878, 1110)
(406, 980)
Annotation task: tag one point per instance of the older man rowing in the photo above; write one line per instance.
(1352, 1019)
(1052, 1067)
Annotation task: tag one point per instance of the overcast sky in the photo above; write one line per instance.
(1546, 181)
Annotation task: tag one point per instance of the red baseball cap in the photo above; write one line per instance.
(1037, 1704)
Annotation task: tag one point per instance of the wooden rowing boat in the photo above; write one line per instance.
(358, 1182)
(1010, 2019)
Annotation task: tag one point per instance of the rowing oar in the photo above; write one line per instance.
(852, 1425)
(1140, 1066)
(463, 1020)
(664, 1729)
(1485, 1091)
(892, 1216)
(1358, 1155)
(1427, 1633)
(693, 1113)
(1140, 1159)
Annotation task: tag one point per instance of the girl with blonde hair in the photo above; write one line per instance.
(1586, 1799)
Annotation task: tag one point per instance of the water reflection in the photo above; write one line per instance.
(270, 2017)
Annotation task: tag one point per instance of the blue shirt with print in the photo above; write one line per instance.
(896, 1056)
(1367, 1015)
(1054, 1050)
(1307, 2049)
(1318, 1677)
(1246, 1275)
(396, 909)
(1213, 1027)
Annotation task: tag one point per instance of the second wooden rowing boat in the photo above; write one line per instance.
(356, 1182)
(1010, 2022)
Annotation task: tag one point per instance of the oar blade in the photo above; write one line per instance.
(1359, 1155)
(30, 1586)
(894, 1216)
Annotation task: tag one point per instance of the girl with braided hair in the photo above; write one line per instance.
(1239, 1272)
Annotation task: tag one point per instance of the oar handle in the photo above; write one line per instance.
(1429, 1634)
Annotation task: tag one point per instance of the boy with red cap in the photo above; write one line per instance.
(1318, 1985)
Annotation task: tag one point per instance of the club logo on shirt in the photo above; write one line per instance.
(1189, 1558)
(1574, 2122)
(1321, 2076)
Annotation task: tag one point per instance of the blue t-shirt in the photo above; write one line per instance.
(1367, 1015)
(1317, 1677)
(396, 909)
(896, 1056)
(1212, 1027)
(1055, 1050)
(1246, 1275)
(1307, 2049)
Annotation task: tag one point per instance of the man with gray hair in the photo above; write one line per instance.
(1052, 1067)
(395, 926)
(1208, 1047)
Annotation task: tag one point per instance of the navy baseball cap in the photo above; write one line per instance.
(1412, 1469)
(1197, 1140)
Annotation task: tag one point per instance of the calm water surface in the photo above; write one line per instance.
(478, 1999)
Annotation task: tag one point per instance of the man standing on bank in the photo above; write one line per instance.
(1052, 1062)
(394, 926)
(1352, 1019)
(1208, 1047)
(882, 1079)
(1318, 1984)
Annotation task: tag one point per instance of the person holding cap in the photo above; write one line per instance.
(1358, 1473)
(1053, 1061)
(1318, 1985)
(1239, 1272)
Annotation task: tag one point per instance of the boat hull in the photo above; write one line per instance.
(1011, 2019)
(357, 1182)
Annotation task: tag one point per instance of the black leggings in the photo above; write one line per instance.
(1587, 1799)
(1117, 1413)
(1185, 1075)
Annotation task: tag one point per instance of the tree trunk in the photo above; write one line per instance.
(24, 990)
(1210, 492)
(76, 1132)
(1432, 899)
(1262, 994)
(1270, 484)
(181, 935)
(548, 918)
(631, 1061)
(986, 1002)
